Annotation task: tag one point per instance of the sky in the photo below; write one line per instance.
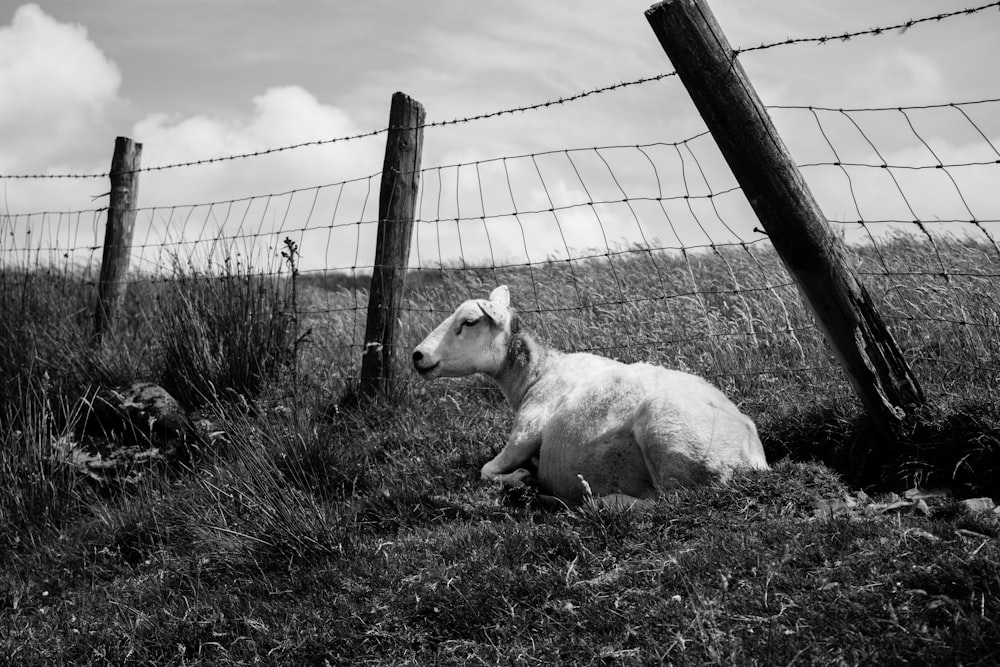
(199, 79)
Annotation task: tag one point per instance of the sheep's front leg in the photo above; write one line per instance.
(509, 466)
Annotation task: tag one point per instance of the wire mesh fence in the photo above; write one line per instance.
(647, 251)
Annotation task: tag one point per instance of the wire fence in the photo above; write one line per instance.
(647, 251)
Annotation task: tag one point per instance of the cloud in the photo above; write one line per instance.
(280, 116)
(250, 203)
(62, 93)
(57, 89)
(253, 203)
(898, 75)
(56, 84)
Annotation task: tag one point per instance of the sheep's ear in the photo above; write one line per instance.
(492, 310)
(501, 296)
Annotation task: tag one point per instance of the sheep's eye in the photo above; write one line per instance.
(467, 323)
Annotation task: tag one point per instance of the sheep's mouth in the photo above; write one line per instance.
(424, 371)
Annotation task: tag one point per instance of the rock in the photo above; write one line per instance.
(140, 415)
(977, 505)
(122, 432)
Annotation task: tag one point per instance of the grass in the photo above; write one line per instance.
(319, 533)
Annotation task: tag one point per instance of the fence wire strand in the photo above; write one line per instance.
(824, 39)
(649, 250)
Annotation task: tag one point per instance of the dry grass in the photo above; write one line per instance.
(317, 532)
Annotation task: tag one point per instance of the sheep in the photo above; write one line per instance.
(589, 428)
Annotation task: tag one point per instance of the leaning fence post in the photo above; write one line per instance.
(397, 210)
(118, 234)
(814, 256)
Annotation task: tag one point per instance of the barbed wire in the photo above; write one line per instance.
(843, 37)
(906, 25)
(362, 135)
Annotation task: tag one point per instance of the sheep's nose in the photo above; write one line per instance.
(417, 356)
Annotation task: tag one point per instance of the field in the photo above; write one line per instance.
(315, 528)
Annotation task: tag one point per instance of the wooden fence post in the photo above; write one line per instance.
(118, 234)
(815, 257)
(397, 211)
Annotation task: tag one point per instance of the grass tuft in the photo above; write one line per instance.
(224, 336)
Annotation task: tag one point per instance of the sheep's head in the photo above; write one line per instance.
(472, 340)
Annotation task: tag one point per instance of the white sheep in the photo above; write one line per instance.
(588, 424)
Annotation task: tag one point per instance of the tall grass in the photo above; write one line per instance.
(224, 335)
(206, 338)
